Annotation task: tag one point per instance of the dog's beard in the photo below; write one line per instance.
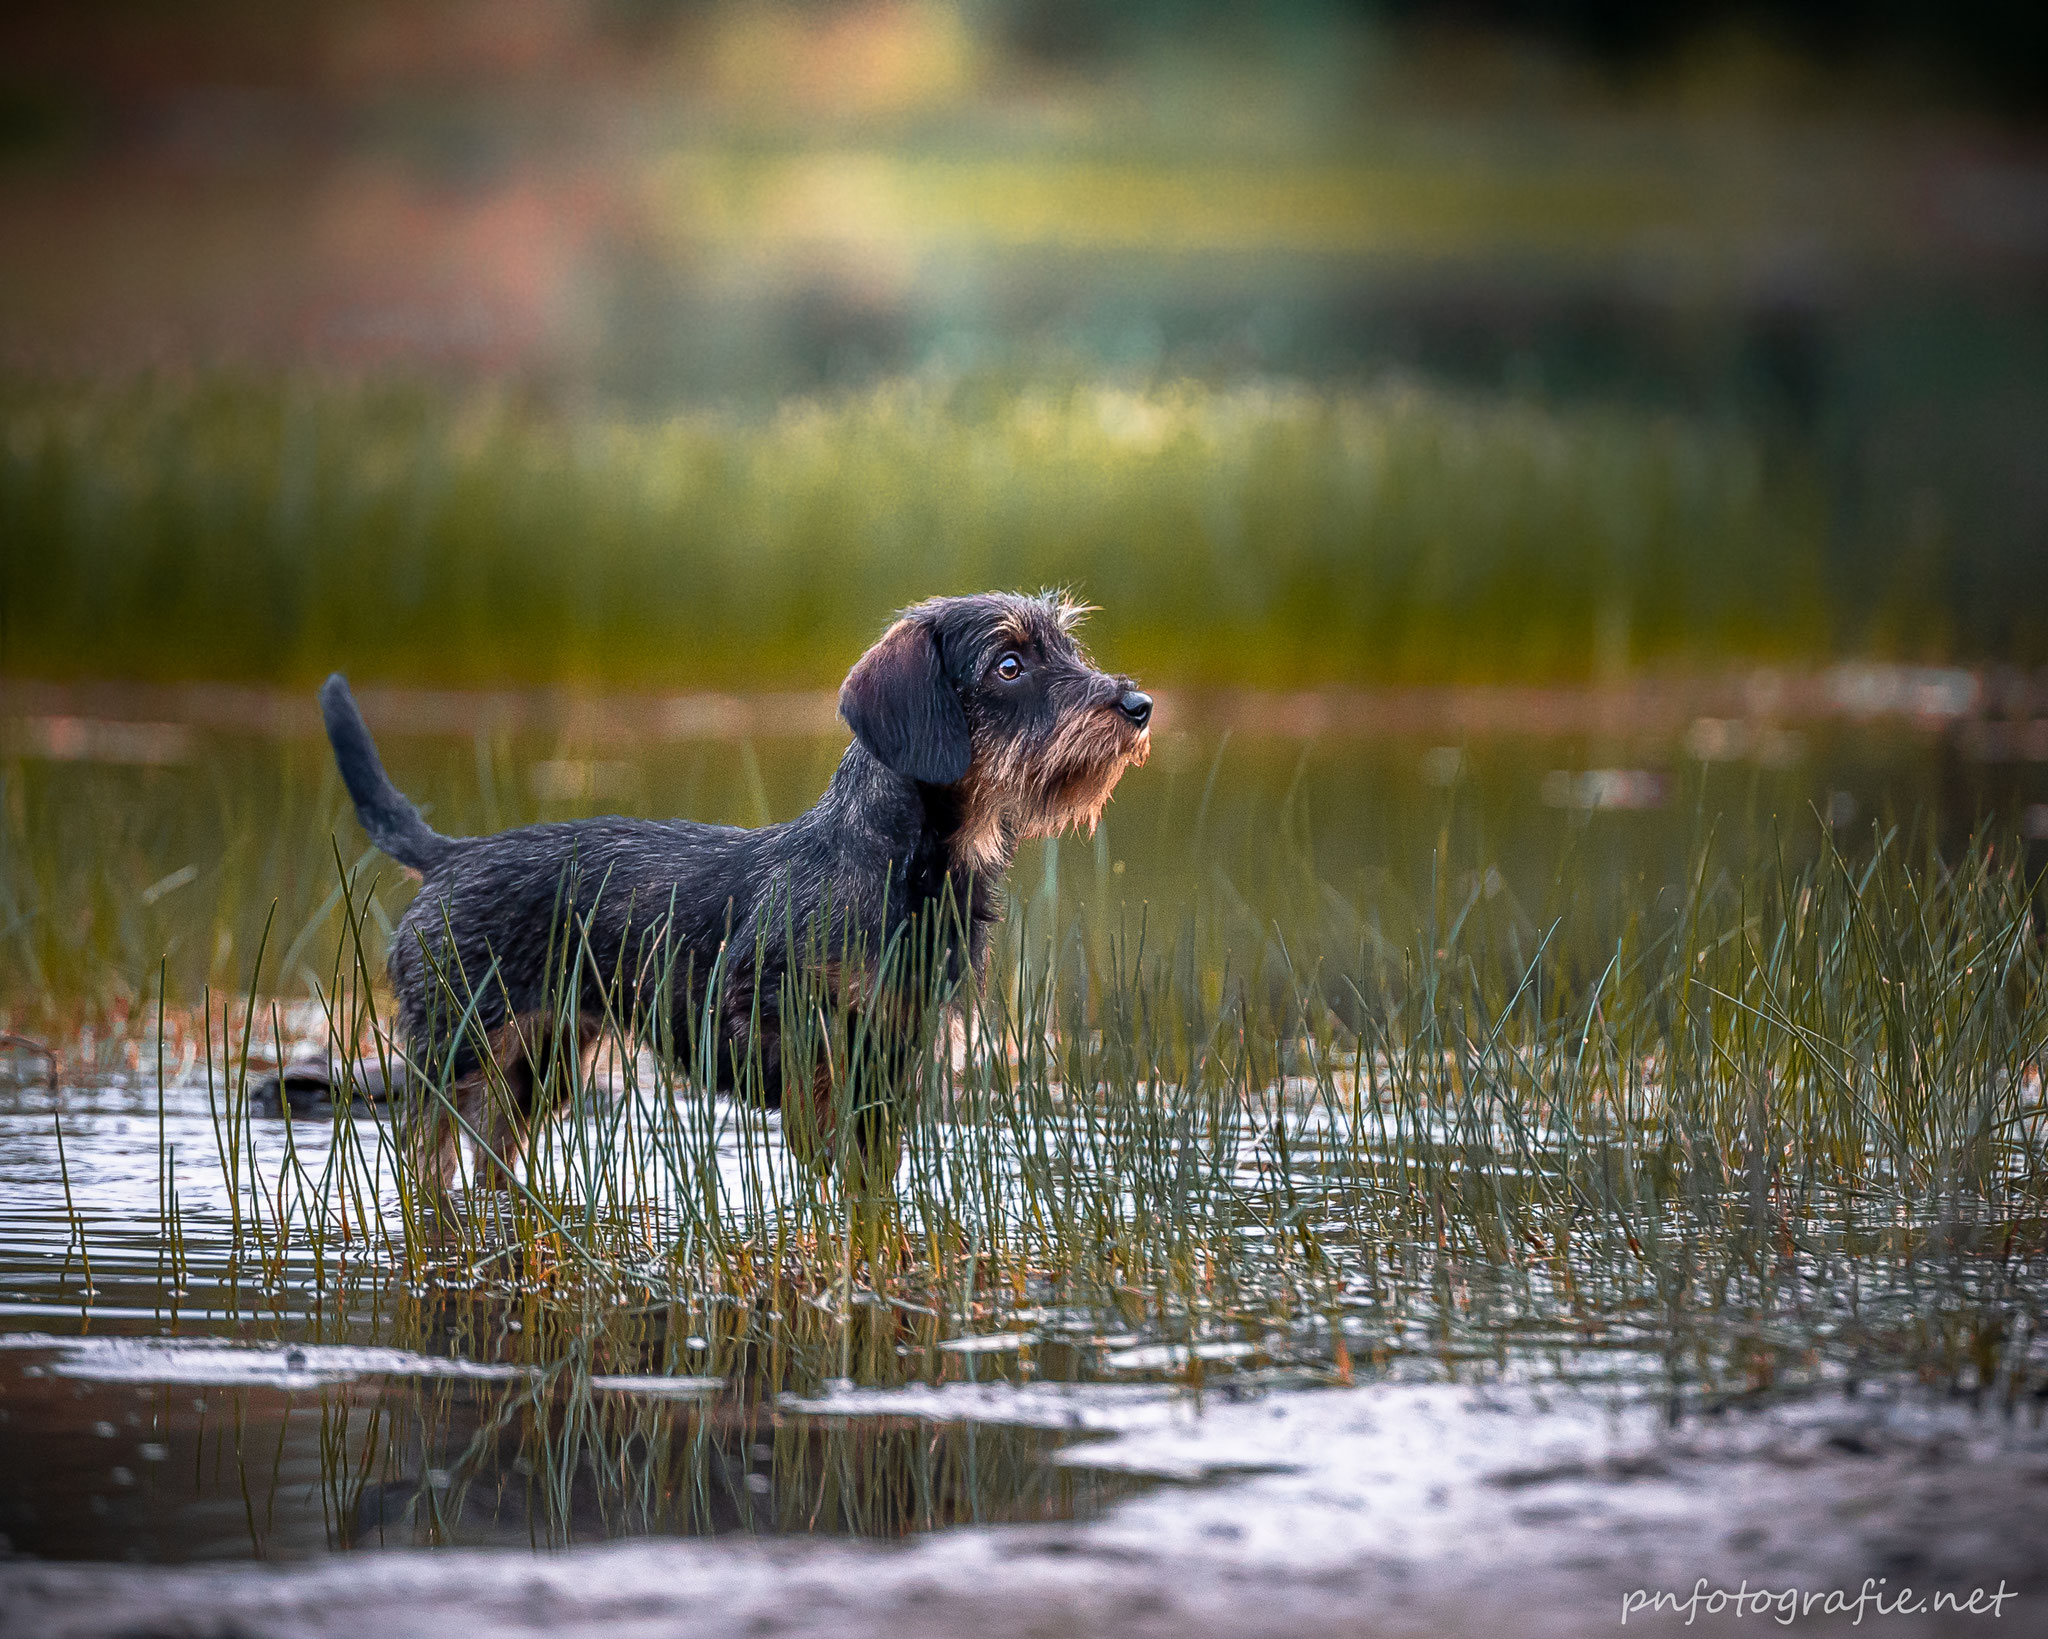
(1057, 785)
(1075, 773)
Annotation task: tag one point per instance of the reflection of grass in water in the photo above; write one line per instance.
(227, 529)
(557, 1461)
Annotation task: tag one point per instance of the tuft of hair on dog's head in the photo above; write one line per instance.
(993, 696)
(1067, 610)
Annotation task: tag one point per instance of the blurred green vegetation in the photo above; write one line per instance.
(229, 528)
(1266, 851)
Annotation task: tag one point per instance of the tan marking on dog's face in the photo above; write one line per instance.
(1019, 790)
(1014, 633)
(1078, 770)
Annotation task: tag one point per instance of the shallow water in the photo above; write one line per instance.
(186, 1374)
(141, 1417)
(170, 1455)
(209, 1397)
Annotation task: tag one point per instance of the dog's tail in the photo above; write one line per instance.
(393, 823)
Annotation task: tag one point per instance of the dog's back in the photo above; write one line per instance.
(503, 920)
(500, 920)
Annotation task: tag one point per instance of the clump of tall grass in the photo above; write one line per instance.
(233, 528)
(1790, 1121)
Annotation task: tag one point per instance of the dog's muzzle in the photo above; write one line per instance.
(1135, 706)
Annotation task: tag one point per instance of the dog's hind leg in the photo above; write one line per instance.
(535, 1064)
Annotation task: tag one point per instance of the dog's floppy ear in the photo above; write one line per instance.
(900, 706)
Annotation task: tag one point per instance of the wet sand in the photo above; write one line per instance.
(1388, 1509)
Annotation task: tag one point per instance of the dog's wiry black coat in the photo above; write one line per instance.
(977, 721)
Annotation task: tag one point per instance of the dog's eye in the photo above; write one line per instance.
(1010, 668)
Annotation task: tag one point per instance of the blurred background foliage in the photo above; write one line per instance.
(622, 343)
(1255, 534)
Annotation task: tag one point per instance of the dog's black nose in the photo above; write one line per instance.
(1137, 707)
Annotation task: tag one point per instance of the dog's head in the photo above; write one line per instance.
(992, 696)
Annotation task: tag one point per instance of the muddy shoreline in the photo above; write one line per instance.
(1386, 1509)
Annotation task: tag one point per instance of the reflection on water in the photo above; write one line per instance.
(191, 1469)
